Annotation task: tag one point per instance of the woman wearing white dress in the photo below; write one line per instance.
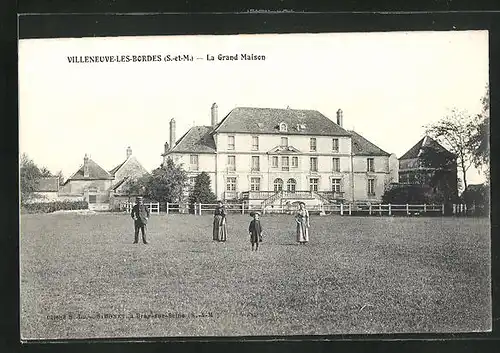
(302, 219)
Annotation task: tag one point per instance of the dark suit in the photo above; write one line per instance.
(140, 214)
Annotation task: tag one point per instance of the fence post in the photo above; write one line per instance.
(370, 209)
(242, 208)
(465, 209)
(390, 210)
(199, 209)
(425, 208)
(442, 209)
(407, 209)
(166, 209)
(341, 209)
(350, 210)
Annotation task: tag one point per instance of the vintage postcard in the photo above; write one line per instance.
(254, 185)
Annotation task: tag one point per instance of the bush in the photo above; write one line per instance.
(408, 194)
(48, 207)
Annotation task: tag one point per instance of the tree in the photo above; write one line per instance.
(137, 186)
(167, 183)
(44, 172)
(454, 131)
(60, 175)
(202, 192)
(409, 194)
(480, 138)
(29, 177)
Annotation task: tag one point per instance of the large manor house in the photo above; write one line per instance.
(263, 157)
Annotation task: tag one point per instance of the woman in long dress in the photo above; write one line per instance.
(219, 225)
(302, 219)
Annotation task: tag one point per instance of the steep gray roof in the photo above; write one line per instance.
(197, 140)
(115, 169)
(363, 147)
(426, 141)
(267, 120)
(95, 173)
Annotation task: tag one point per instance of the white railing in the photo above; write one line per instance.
(154, 207)
(340, 208)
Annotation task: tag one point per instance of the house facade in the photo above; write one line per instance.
(428, 163)
(89, 183)
(102, 189)
(264, 155)
(129, 169)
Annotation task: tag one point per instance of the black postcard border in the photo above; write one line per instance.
(96, 25)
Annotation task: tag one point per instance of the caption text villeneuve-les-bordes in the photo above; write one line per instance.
(88, 59)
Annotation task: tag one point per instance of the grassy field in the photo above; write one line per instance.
(81, 277)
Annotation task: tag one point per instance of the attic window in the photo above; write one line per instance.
(300, 127)
(283, 127)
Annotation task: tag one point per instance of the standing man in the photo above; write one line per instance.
(140, 215)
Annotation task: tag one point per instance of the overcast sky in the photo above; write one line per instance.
(388, 84)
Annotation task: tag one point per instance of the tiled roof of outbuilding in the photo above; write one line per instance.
(95, 173)
(428, 142)
(48, 184)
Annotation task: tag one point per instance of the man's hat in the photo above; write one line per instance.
(139, 198)
(253, 213)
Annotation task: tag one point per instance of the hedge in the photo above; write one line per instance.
(48, 207)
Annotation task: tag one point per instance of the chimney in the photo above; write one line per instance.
(215, 116)
(340, 118)
(86, 173)
(172, 132)
(129, 152)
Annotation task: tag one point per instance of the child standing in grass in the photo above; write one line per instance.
(255, 230)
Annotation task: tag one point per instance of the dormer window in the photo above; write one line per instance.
(283, 127)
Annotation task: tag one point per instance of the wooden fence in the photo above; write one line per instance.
(341, 209)
(154, 207)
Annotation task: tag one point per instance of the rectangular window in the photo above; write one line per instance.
(335, 145)
(370, 165)
(231, 184)
(193, 162)
(284, 163)
(313, 184)
(284, 141)
(254, 184)
(92, 198)
(336, 185)
(231, 163)
(312, 144)
(336, 164)
(255, 143)
(275, 161)
(371, 187)
(230, 142)
(313, 164)
(295, 162)
(255, 163)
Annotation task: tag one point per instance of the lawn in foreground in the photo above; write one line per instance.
(81, 277)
